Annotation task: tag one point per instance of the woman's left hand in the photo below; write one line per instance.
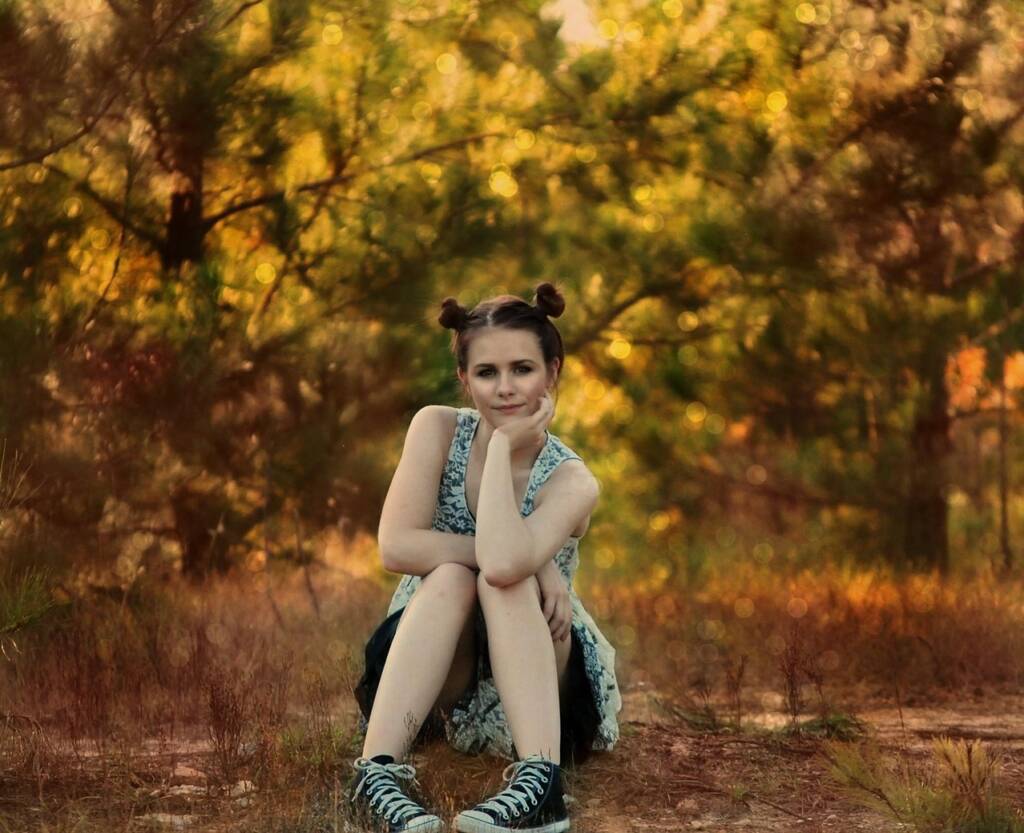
(528, 431)
(555, 599)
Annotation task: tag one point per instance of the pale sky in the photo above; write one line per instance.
(579, 25)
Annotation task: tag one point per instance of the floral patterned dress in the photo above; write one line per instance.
(478, 723)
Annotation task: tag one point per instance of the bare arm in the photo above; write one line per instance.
(511, 547)
(416, 552)
(406, 540)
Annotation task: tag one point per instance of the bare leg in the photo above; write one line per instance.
(420, 660)
(526, 666)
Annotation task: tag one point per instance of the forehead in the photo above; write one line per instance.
(498, 345)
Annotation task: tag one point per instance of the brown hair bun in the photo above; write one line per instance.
(453, 315)
(549, 300)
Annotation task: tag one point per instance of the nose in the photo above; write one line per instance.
(505, 386)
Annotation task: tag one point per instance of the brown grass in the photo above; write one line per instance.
(231, 703)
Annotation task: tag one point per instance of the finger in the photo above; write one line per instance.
(549, 608)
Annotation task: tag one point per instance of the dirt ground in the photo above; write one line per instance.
(724, 783)
(662, 776)
(665, 777)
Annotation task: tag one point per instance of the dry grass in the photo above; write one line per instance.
(231, 704)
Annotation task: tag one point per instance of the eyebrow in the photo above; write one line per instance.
(480, 365)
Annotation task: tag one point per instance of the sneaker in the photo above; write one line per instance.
(531, 803)
(380, 801)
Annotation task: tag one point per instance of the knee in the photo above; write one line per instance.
(453, 580)
(529, 586)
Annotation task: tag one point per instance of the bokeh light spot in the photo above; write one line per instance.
(777, 101)
(696, 411)
(796, 607)
(688, 321)
(445, 63)
(586, 153)
(743, 607)
(850, 38)
(757, 40)
(643, 193)
(972, 99)
(608, 28)
(619, 348)
(99, 238)
(653, 222)
(72, 206)
(594, 389)
(504, 184)
(430, 171)
(805, 13)
(659, 521)
(757, 475)
(922, 19)
(332, 34)
(525, 139)
(633, 31)
(265, 272)
(672, 9)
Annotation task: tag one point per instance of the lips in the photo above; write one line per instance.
(510, 409)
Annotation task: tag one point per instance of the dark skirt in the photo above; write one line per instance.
(579, 715)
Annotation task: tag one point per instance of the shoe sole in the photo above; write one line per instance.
(425, 824)
(428, 825)
(472, 825)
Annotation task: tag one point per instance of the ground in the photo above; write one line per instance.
(663, 775)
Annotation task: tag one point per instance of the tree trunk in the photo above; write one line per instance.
(926, 540)
(185, 231)
(1004, 477)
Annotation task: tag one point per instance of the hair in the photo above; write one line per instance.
(507, 311)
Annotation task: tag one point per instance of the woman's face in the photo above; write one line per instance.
(506, 367)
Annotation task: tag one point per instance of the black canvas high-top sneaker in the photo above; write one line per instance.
(380, 803)
(532, 802)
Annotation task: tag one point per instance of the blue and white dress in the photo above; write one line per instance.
(477, 723)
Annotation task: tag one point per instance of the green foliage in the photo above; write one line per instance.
(963, 795)
(834, 725)
(223, 243)
(24, 599)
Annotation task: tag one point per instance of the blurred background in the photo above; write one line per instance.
(790, 236)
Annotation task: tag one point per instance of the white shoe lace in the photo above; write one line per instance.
(525, 785)
(383, 793)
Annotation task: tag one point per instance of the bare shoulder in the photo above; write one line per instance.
(442, 416)
(432, 418)
(571, 475)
